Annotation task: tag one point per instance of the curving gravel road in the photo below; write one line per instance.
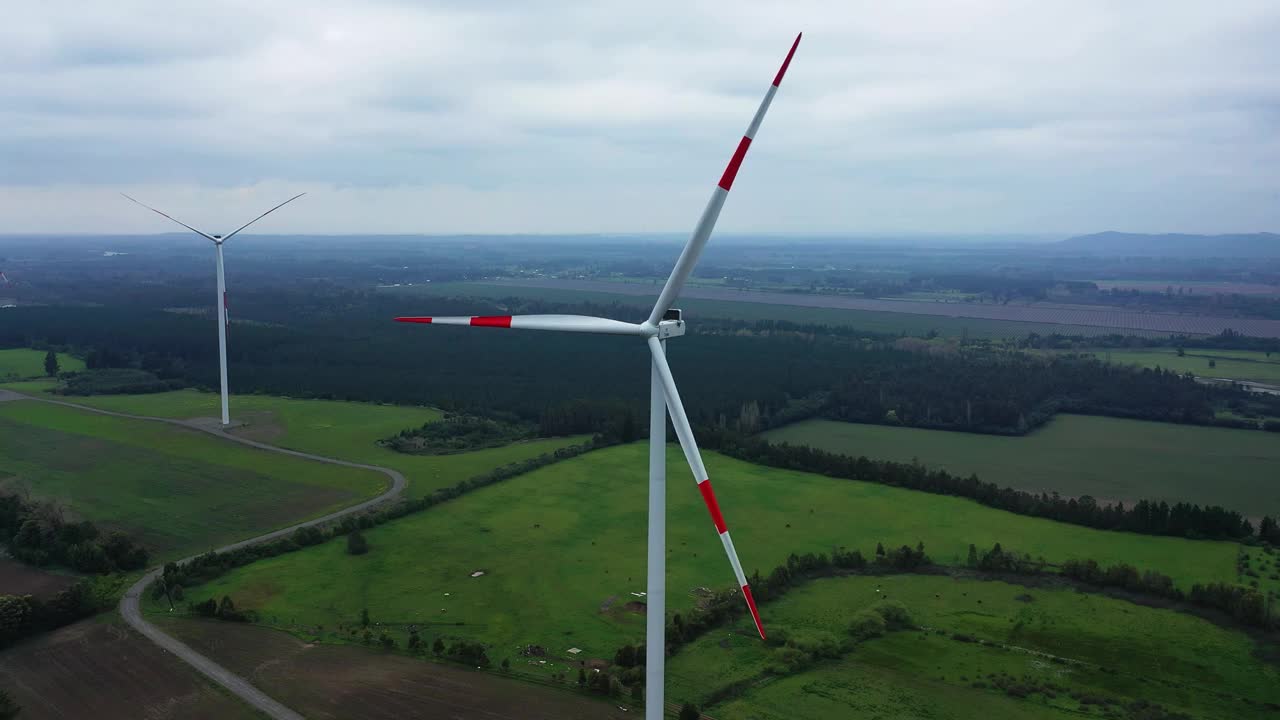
(130, 604)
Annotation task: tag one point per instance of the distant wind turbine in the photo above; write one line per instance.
(222, 288)
(664, 323)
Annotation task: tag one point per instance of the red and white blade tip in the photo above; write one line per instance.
(500, 321)
(755, 614)
(777, 80)
(717, 519)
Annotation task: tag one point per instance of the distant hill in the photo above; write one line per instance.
(1174, 245)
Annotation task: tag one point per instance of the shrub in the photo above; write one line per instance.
(867, 624)
(895, 614)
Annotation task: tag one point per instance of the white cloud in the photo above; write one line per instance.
(968, 116)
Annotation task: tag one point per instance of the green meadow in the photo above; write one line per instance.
(1108, 458)
(23, 364)
(562, 551)
(1229, 364)
(333, 428)
(1105, 648)
(180, 491)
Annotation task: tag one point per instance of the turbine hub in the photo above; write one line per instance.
(670, 328)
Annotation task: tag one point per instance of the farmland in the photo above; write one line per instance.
(23, 364)
(179, 490)
(752, 308)
(19, 579)
(1031, 318)
(1108, 458)
(1109, 648)
(585, 515)
(99, 669)
(1228, 364)
(344, 430)
(326, 682)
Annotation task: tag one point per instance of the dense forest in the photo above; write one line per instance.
(342, 344)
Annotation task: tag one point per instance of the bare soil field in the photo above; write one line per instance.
(99, 669)
(19, 579)
(340, 681)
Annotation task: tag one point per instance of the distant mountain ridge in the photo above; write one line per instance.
(1263, 244)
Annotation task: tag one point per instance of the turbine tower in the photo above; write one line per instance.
(222, 290)
(664, 323)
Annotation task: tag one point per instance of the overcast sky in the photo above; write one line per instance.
(946, 117)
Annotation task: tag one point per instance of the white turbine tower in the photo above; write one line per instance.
(222, 290)
(663, 323)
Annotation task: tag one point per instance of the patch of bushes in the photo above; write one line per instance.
(224, 610)
(38, 534)
(24, 615)
(116, 381)
(459, 432)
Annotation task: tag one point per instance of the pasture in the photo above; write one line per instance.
(1108, 648)
(562, 552)
(332, 428)
(24, 364)
(180, 491)
(1108, 458)
(1227, 364)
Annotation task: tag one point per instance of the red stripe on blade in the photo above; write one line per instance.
(713, 507)
(730, 172)
(423, 320)
(751, 605)
(501, 321)
(777, 80)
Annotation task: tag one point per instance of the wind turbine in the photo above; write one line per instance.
(663, 324)
(222, 289)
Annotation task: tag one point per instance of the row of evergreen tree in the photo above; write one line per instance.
(1148, 517)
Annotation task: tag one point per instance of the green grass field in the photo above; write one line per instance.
(344, 430)
(869, 320)
(562, 550)
(23, 364)
(1108, 458)
(1119, 649)
(1229, 364)
(181, 491)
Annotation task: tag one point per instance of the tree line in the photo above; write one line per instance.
(1146, 516)
(25, 615)
(1244, 604)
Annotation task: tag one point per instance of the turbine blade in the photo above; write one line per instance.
(207, 235)
(707, 223)
(286, 202)
(685, 433)
(563, 323)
